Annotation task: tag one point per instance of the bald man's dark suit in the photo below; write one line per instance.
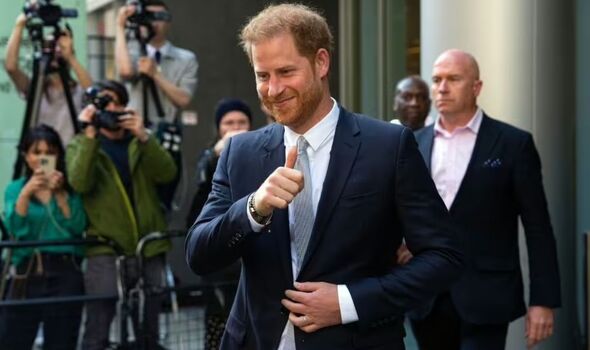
(376, 187)
(502, 183)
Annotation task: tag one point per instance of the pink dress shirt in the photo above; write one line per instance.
(451, 153)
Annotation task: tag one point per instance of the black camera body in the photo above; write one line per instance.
(142, 18)
(103, 119)
(48, 13)
(108, 119)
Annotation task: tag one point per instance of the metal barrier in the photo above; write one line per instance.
(53, 243)
(180, 327)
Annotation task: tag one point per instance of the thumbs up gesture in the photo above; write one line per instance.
(279, 189)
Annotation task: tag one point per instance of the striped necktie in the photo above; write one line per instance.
(302, 204)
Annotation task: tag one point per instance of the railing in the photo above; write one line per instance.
(181, 329)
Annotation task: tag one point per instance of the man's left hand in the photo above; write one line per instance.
(313, 305)
(134, 123)
(147, 66)
(539, 325)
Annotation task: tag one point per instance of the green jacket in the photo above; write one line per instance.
(110, 214)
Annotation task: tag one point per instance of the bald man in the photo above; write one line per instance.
(488, 174)
(411, 103)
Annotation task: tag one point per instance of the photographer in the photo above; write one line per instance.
(42, 206)
(53, 110)
(115, 165)
(173, 70)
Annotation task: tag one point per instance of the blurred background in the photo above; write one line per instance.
(534, 58)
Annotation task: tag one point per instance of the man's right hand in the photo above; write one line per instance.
(403, 254)
(38, 181)
(124, 13)
(220, 145)
(21, 21)
(87, 116)
(279, 189)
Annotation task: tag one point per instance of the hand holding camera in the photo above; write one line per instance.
(103, 113)
(21, 21)
(133, 122)
(146, 65)
(97, 113)
(124, 13)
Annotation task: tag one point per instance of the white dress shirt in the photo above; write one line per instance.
(451, 153)
(320, 139)
(164, 50)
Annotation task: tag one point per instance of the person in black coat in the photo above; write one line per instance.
(232, 117)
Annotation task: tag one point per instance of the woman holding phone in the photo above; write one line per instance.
(42, 206)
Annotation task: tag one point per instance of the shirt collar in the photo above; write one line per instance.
(473, 124)
(165, 49)
(319, 133)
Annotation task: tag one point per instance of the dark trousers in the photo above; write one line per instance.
(101, 278)
(219, 301)
(443, 329)
(61, 277)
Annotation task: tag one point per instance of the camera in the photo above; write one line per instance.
(144, 17)
(103, 119)
(48, 13)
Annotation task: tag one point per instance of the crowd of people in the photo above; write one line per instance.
(336, 225)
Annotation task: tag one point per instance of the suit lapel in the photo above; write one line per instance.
(425, 147)
(342, 156)
(484, 143)
(273, 158)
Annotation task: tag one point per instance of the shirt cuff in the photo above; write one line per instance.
(348, 312)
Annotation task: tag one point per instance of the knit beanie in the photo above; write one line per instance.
(227, 105)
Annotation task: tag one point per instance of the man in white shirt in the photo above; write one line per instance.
(173, 70)
(315, 205)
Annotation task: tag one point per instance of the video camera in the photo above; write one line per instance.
(143, 17)
(103, 119)
(48, 13)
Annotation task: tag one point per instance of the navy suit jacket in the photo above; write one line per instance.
(376, 187)
(502, 183)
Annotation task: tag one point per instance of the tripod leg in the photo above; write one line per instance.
(68, 93)
(144, 90)
(149, 86)
(156, 97)
(33, 102)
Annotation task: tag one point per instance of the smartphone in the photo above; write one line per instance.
(47, 163)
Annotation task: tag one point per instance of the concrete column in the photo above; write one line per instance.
(525, 52)
(582, 146)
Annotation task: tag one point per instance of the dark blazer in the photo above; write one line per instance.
(376, 187)
(502, 183)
